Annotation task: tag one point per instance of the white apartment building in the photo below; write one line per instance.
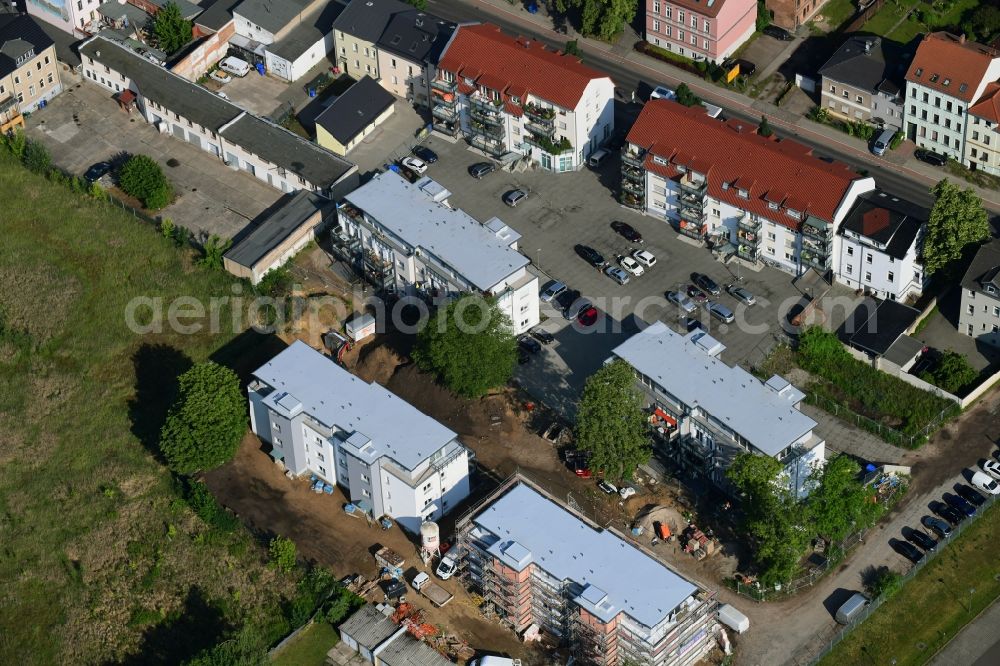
(878, 245)
(389, 458)
(947, 75)
(720, 411)
(405, 238)
(766, 200)
(73, 16)
(513, 97)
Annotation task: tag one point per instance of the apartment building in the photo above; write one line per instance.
(720, 411)
(791, 14)
(979, 316)
(710, 30)
(863, 80)
(388, 457)
(878, 246)
(405, 238)
(191, 113)
(29, 75)
(357, 30)
(72, 16)
(513, 97)
(765, 199)
(947, 75)
(982, 143)
(289, 37)
(408, 53)
(537, 562)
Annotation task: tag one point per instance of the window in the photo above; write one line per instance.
(859, 99)
(975, 136)
(974, 152)
(694, 40)
(927, 97)
(670, 31)
(868, 259)
(708, 26)
(656, 26)
(846, 94)
(366, 492)
(364, 477)
(656, 6)
(343, 463)
(320, 456)
(772, 205)
(770, 235)
(892, 277)
(996, 311)
(355, 47)
(670, 12)
(850, 269)
(833, 89)
(704, 44)
(948, 105)
(868, 276)
(680, 36)
(694, 22)
(743, 193)
(680, 15)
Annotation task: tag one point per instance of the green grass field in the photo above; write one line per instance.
(101, 561)
(309, 648)
(933, 606)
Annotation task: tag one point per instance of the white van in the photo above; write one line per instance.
(235, 66)
(597, 157)
(851, 608)
(882, 142)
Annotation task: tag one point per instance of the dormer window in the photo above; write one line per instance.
(516, 100)
(659, 160)
(772, 205)
(919, 72)
(946, 82)
(743, 193)
(934, 78)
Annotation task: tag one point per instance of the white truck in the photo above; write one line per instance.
(423, 584)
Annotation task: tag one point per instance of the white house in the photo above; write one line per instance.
(405, 238)
(389, 458)
(289, 36)
(516, 97)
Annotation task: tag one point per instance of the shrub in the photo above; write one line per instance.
(37, 158)
(203, 503)
(142, 178)
(951, 373)
(212, 252)
(282, 552)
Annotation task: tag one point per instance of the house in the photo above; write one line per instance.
(404, 238)
(279, 236)
(353, 116)
(719, 411)
(980, 314)
(538, 563)
(29, 75)
(947, 75)
(513, 96)
(878, 329)
(879, 245)
(238, 138)
(982, 141)
(791, 14)
(72, 16)
(358, 30)
(388, 457)
(863, 80)
(700, 30)
(767, 200)
(408, 53)
(381, 642)
(289, 37)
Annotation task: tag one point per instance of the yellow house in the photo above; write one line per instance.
(29, 75)
(353, 116)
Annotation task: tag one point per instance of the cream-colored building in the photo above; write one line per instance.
(356, 32)
(29, 75)
(353, 116)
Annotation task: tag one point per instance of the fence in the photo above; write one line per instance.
(876, 603)
(861, 18)
(888, 434)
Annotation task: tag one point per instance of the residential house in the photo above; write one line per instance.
(947, 75)
(716, 412)
(876, 332)
(358, 29)
(982, 143)
(388, 457)
(863, 80)
(699, 30)
(405, 238)
(353, 116)
(212, 30)
(980, 314)
(289, 37)
(879, 246)
(515, 97)
(29, 75)
(535, 561)
(768, 200)
(408, 53)
(791, 14)
(191, 113)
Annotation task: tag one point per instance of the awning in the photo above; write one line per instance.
(663, 416)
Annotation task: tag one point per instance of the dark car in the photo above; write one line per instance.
(960, 504)
(696, 294)
(481, 169)
(690, 323)
(778, 33)
(930, 157)
(706, 283)
(970, 495)
(567, 298)
(909, 551)
(542, 336)
(939, 526)
(426, 154)
(529, 344)
(625, 230)
(747, 68)
(946, 512)
(591, 256)
(97, 171)
(922, 539)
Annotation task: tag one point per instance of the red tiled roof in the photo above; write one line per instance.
(733, 153)
(988, 106)
(516, 66)
(956, 66)
(709, 9)
(513, 109)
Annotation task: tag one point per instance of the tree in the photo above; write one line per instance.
(469, 345)
(957, 222)
(764, 129)
(755, 477)
(282, 552)
(610, 423)
(840, 504)
(171, 29)
(763, 15)
(885, 582)
(142, 178)
(604, 18)
(212, 251)
(573, 48)
(984, 21)
(686, 97)
(952, 372)
(207, 421)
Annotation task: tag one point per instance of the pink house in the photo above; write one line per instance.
(700, 29)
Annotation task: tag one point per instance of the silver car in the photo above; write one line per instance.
(681, 300)
(551, 290)
(741, 294)
(617, 274)
(721, 312)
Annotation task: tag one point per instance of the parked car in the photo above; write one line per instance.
(425, 153)
(909, 551)
(588, 317)
(969, 495)
(235, 66)
(960, 504)
(567, 298)
(721, 312)
(529, 344)
(681, 300)
(551, 290)
(939, 526)
(591, 256)
(930, 157)
(851, 608)
(221, 75)
(581, 467)
(414, 164)
(662, 92)
(608, 487)
(481, 169)
(626, 231)
(945, 511)
(690, 323)
(644, 257)
(696, 294)
(986, 483)
(514, 197)
(706, 283)
(446, 567)
(991, 467)
(575, 308)
(778, 33)
(626, 492)
(97, 171)
(923, 540)
(542, 336)
(741, 294)
(617, 274)
(631, 265)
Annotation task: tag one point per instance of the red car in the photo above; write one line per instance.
(588, 317)
(581, 469)
(696, 294)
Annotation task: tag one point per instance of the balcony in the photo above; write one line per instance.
(749, 222)
(693, 214)
(634, 187)
(444, 112)
(486, 129)
(635, 200)
(448, 128)
(376, 266)
(548, 145)
(486, 107)
(692, 200)
(816, 245)
(444, 86)
(541, 129)
(820, 262)
(818, 229)
(633, 158)
(539, 114)
(748, 237)
(489, 145)
(631, 173)
(693, 229)
(748, 252)
(8, 104)
(694, 184)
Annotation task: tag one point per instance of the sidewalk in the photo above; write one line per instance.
(977, 644)
(780, 119)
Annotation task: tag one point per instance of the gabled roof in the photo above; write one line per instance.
(984, 271)
(887, 220)
(367, 19)
(415, 35)
(708, 8)
(950, 64)
(272, 15)
(355, 110)
(218, 14)
(988, 106)
(18, 35)
(517, 66)
(867, 63)
(734, 157)
(876, 326)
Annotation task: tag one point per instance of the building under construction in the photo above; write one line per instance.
(539, 565)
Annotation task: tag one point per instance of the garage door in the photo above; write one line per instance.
(195, 139)
(179, 132)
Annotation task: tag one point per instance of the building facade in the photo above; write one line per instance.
(982, 143)
(72, 16)
(514, 98)
(700, 31)
(863, 81)
(29, 75)
(537, 562)
(979, 316)
(790, 14)
(408, 53)
(766, 200)
(388, 457)
(717, 411)
(358, 29)
(404, 238)
(947, 75)
(288, 37)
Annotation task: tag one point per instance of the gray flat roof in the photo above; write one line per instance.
(270, 232)
(616, 575)
(272, 15)
(450, 234)
(355, 109)
(313, 28)
(762, 416)
(405, 650)
(336, 398)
